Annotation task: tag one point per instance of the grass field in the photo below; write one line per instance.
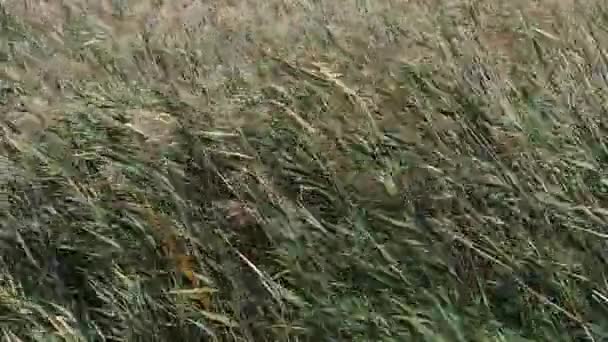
(304, 170)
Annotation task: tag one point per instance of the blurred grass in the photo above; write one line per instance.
(301, 170)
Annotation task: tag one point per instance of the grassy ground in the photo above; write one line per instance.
(304, 170)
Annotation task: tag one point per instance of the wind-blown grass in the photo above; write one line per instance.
(358, 174)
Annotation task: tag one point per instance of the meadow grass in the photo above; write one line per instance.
(304, 170)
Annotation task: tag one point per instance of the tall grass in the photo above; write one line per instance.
(304, 170)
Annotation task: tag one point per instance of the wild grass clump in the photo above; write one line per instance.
(367, 172)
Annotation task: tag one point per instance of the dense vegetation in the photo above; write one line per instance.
(305, 170)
